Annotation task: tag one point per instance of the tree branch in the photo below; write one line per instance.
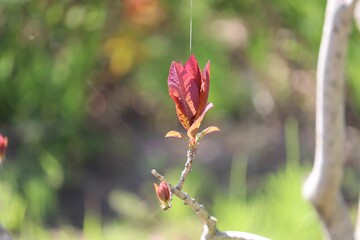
(191, 153)
(357, 226)
(210, 231)
(322, 186)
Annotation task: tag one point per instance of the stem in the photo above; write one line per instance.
(210, 231)
(191, 153)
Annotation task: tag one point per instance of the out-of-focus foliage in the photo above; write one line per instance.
(49, 51)
(281, 204)
(85, 105)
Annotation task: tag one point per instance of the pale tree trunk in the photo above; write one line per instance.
(322, 188)
(357, 21)
(4, 235)
(357, 230)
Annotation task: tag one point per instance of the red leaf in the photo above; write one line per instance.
(185, 121)
(184, 91)
(192, 67)
(204, 90)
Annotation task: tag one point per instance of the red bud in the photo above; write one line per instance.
(164, 195)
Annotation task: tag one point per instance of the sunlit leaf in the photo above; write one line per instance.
(204, 90)
(192, 131)
(184, 120)
(206, 131)
(192, 67)
(189, 89)
(183, 90)
(209, 130)
(175, 134)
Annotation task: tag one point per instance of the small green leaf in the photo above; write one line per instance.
(192, 131)
(175, 134)
(206, 131)
(210, 130)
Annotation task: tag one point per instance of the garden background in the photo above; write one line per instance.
(85, 105)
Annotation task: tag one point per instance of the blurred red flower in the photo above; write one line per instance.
(144, 12)
(3, 146)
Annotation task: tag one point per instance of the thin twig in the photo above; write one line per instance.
(191, 153)
(210, 231)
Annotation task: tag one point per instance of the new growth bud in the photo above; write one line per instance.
(164, 195)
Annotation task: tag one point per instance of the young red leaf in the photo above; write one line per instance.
(184, 120)
(192, 67)
(183, 90)
(204, 90)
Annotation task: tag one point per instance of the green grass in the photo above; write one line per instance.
(278, 212)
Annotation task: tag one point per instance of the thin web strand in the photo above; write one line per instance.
(190, 25)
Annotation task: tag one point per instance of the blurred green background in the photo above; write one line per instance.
(84, 103)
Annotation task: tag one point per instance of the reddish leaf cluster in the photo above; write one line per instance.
(189, 89)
